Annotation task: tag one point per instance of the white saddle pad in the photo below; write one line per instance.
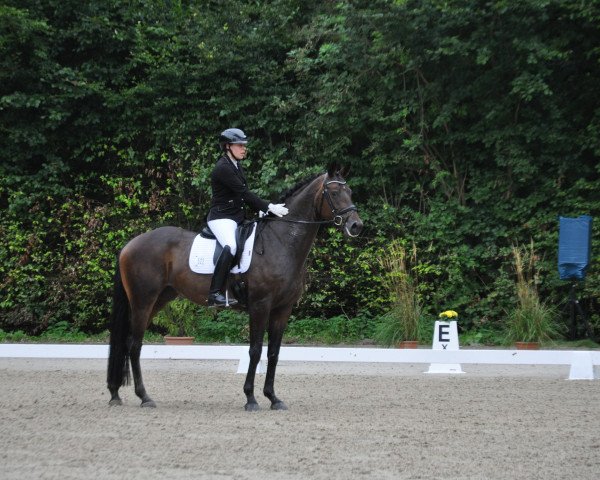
(203, 251)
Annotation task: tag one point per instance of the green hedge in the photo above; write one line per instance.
(469, 126)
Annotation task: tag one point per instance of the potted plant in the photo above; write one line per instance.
(178, 317)
(531, 321)
(402, 324)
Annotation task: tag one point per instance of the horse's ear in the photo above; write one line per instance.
(332, 168)
(344, 171)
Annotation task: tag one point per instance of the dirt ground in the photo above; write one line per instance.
(379, 421)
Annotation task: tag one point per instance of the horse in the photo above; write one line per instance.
(152, 270)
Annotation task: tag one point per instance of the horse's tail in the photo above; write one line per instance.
(120, 329)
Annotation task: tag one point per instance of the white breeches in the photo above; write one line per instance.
(224, 230)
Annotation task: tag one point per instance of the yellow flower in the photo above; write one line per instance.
(449, 314)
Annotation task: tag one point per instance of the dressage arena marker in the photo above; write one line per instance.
(581, 362)
(244, 363)
(445, 337)
(582, 366)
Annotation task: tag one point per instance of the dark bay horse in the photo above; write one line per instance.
(153, 269)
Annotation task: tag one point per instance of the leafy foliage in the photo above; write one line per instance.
(469, 126)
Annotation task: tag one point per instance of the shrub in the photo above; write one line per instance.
(531, 320)
(404, 319)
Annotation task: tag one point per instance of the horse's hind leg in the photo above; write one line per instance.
(139, 321)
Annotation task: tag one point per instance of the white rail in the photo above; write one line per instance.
(581, 361)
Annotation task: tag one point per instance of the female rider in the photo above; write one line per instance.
(230, 194)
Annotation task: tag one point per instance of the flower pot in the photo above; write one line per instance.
(178, 340)
(408, 344)
(527, 345)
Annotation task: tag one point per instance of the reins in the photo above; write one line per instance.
(289, 220)
(337, 219)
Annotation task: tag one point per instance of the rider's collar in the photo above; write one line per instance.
(234, 162)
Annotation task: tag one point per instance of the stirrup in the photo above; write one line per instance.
(220, 300)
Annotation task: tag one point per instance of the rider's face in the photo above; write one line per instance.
(238, 150)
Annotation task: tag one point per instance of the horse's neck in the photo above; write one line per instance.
(303, 205)
(298, 238)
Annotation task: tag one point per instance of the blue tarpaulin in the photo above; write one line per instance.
(574, 247)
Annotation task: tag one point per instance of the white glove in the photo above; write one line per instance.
(278, 209)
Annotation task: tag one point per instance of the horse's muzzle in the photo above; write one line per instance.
(353, 225)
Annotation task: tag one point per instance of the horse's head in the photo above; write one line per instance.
(336, 202)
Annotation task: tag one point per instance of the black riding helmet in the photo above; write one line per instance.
(232, 136)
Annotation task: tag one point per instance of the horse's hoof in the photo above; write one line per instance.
(148, 404)
(279, 406)
(115, 402)
(252, 407)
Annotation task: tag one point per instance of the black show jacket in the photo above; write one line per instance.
(230, 192)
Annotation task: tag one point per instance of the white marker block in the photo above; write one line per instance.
(245, 363)
(582, 367)
(445, 337)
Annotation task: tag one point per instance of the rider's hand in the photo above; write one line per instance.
(278, 209)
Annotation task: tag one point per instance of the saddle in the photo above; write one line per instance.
(242, 233)
(205, 250)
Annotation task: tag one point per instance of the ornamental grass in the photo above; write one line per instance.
(403, 320)
(531, 320)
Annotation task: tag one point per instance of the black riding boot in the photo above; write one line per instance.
(222, 268)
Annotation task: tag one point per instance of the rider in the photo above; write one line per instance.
(229, 196)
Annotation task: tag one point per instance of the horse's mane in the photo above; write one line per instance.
(292, 191)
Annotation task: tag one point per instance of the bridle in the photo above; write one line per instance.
(337, 220)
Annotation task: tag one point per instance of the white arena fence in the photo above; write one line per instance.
(581, 362)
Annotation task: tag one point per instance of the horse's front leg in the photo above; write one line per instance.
(277, 324)
(258, 321)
